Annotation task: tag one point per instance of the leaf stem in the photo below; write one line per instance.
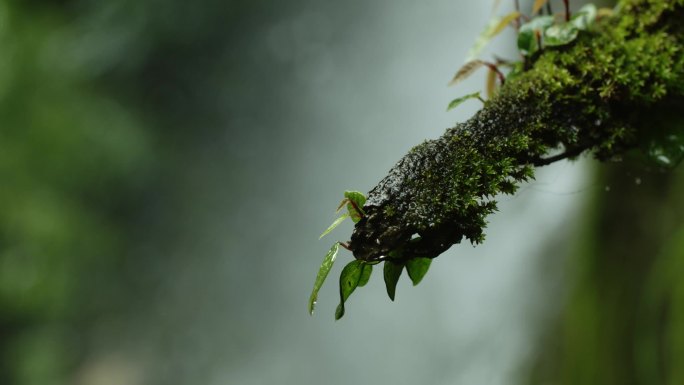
(356, 207)
(494, 68)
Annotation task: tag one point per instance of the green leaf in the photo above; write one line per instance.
(585, 17)
(339, 312)
(334, 224)
(456, 102)
(503, 23)
(527, 42)
(391, 273)
(366, 271)
(356, 197)
(349, 280)
(527, 35)
(560, 34)
(323, 274)
(355, 202)
(493, 28)
(344, 202)
(466, 70)
(416, 269)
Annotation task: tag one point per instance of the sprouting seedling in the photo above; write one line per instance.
(354, 201)
(465, 71)
(529, 35)
(356, 273)
(537, 32)
(545, 31)
(470, 67)
(495, 26)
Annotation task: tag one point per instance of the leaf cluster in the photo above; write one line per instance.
(539, 32)
(357, 272)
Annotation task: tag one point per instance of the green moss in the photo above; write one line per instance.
(589, 96)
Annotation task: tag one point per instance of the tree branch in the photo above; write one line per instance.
(590, 96)
(555, 158)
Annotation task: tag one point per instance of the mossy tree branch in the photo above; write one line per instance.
(602, 95)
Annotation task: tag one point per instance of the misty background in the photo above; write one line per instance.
(167, 169)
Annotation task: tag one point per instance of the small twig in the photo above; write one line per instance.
(567, 9)
(517, 19)
(568, 154)
(494, 68)
(549, 11)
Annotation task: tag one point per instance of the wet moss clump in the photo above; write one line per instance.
(597, 95)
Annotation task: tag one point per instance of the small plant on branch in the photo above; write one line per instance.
(608, 83)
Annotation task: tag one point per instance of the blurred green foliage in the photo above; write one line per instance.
(71, 161)
(99, 103)
(623, 322)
